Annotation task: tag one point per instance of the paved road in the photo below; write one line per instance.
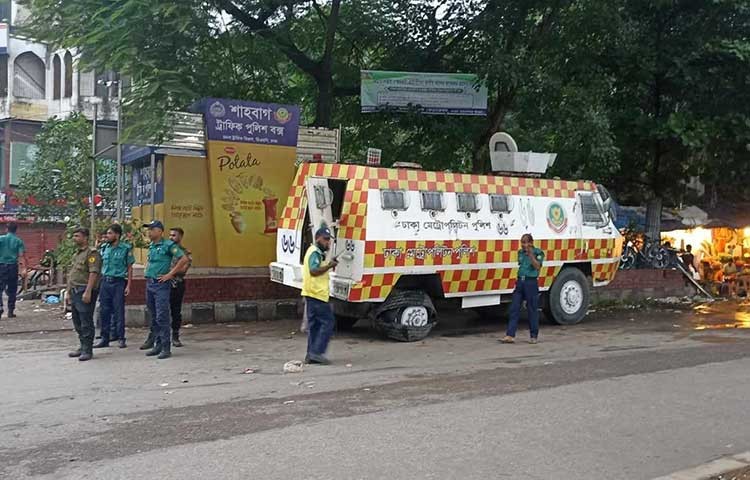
(626, 395)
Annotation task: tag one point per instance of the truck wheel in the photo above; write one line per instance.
(569, 297)
(344, 324)
(406, 316)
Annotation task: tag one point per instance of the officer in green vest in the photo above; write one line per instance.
(316, 292)
(159, 275)
(83, 280)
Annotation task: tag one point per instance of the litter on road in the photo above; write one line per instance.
(295, 366)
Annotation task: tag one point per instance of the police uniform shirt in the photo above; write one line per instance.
(525, 267)
(11, 248)
(116, 259)
(160, 255)
(179, 277)
(87, 260)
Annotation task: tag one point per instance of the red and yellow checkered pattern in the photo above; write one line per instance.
(604, 272)
(373, 287)
(489, 280)
(353, 220)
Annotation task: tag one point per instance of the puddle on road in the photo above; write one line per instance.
(738, 319)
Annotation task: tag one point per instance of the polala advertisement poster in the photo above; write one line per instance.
(252, 149)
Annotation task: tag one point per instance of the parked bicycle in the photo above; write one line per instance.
(39, 276)
(645, 253)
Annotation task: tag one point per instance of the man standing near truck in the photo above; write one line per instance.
(530, 261)
(316, 290)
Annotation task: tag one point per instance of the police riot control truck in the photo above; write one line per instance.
(405, 237)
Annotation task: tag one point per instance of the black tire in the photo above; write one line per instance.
(569, 297)
(344, 324)
(388, 317)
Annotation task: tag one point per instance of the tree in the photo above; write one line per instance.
(680, 77)
(58, 185)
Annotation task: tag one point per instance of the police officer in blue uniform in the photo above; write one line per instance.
(117, 272)
(159, 275)
(530, 260)
(11, 254)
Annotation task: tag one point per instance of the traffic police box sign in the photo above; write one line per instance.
(251, 152)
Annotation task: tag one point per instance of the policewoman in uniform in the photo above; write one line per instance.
(530, 261)
(159, 275)
(81, 295)
(117, 272)
(316, 292)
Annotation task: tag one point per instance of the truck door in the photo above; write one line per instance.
(319, 201)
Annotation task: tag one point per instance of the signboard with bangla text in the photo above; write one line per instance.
(427, 93)
(251, 152)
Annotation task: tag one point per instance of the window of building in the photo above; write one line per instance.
(56, 77)
(29, 77)
(5, 7)
(393, 200)
(432, 201)
(68, 63)
(467, 202)
(499, 204)
(106, 84)
(22, 157)
(3, 75)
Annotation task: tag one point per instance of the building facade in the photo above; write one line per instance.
(38, 82)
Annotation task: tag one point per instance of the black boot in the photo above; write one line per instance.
(176, 339)
(149, 343)
(86, 353)
(11, 314)
(122, 343)
(102, 343)
(154, 351)
(165, 353)
(77, 352)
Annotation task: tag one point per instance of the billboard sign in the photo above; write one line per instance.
(428, 93)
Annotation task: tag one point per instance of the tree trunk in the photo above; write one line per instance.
(653, 218)
(324, 78)
(324, 103)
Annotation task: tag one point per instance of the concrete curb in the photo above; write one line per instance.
(711, 469)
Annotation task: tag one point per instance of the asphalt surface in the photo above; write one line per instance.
(628, 394)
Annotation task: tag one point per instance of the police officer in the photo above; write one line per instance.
(11, 254)
(177, 293)
(117, 273)
(530, 261)
(159, 274)
(82, 288)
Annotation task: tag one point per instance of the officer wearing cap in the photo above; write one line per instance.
(159, 274)
(316, 290)
(83, 280)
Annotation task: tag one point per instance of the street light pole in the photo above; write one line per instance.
(93, 173)
(120, 169)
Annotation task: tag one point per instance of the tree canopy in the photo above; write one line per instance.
(641, 94)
